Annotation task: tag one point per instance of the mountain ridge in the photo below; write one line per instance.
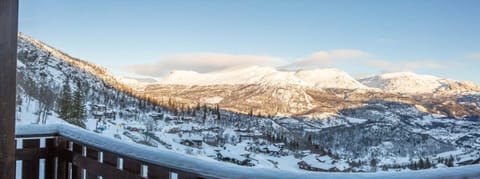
(268, 91)
(327, 78)
(396, 82)
(409, 82)
(342, 124)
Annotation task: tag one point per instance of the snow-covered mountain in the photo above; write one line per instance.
(135, 82)
(266, 76)
(262, 117)
(399, 82)
(407, 82)
(313, 93)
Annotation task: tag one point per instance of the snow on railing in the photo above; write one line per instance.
(196, 167)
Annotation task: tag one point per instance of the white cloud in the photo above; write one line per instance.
(207, 62)
(362, 58)
(203, 62)
(328, 58)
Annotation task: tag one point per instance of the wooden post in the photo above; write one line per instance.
(8, 67)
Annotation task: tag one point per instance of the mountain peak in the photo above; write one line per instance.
(318, 78)
(409, 82)
(329, 78)
(406, 74)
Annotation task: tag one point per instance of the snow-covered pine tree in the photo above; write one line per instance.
(450, 161)
(373, 164)
(421, 164)
(65, 101)
(72, 109)
(78, 111)
(428, 164)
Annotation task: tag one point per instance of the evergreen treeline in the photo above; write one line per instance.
(426, 164)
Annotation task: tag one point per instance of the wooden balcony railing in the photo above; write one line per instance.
(47, 154)
(63, 151)
(64, 158)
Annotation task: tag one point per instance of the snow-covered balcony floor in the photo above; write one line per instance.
(63, 151)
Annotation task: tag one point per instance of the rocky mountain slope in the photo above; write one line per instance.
(42, 70)
(411, 83)
(312, 93)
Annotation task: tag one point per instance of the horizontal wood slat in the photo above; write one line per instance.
(57, 156)
(95, 168)
(34, 154)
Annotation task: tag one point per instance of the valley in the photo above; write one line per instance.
(302, 121)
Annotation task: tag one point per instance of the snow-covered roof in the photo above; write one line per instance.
(98, 113)
(273, 148)
(193, 138)
(306, 151)
(324, 162)
(233, 155)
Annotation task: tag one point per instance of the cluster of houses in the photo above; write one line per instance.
(302, 153)
(210, 136)
(306, 166)
(276, 149)
(195, 137)
(322, 164)
(192, 141)
(99, 111)
(213, 139)
(233, 157)
(198, 136)
(249, 134)
(167, 118)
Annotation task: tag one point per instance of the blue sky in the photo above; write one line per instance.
(152, 37)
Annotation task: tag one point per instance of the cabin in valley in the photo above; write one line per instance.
(193, 141)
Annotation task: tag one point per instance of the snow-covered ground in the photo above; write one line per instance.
(169, 135)
(210, 168)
